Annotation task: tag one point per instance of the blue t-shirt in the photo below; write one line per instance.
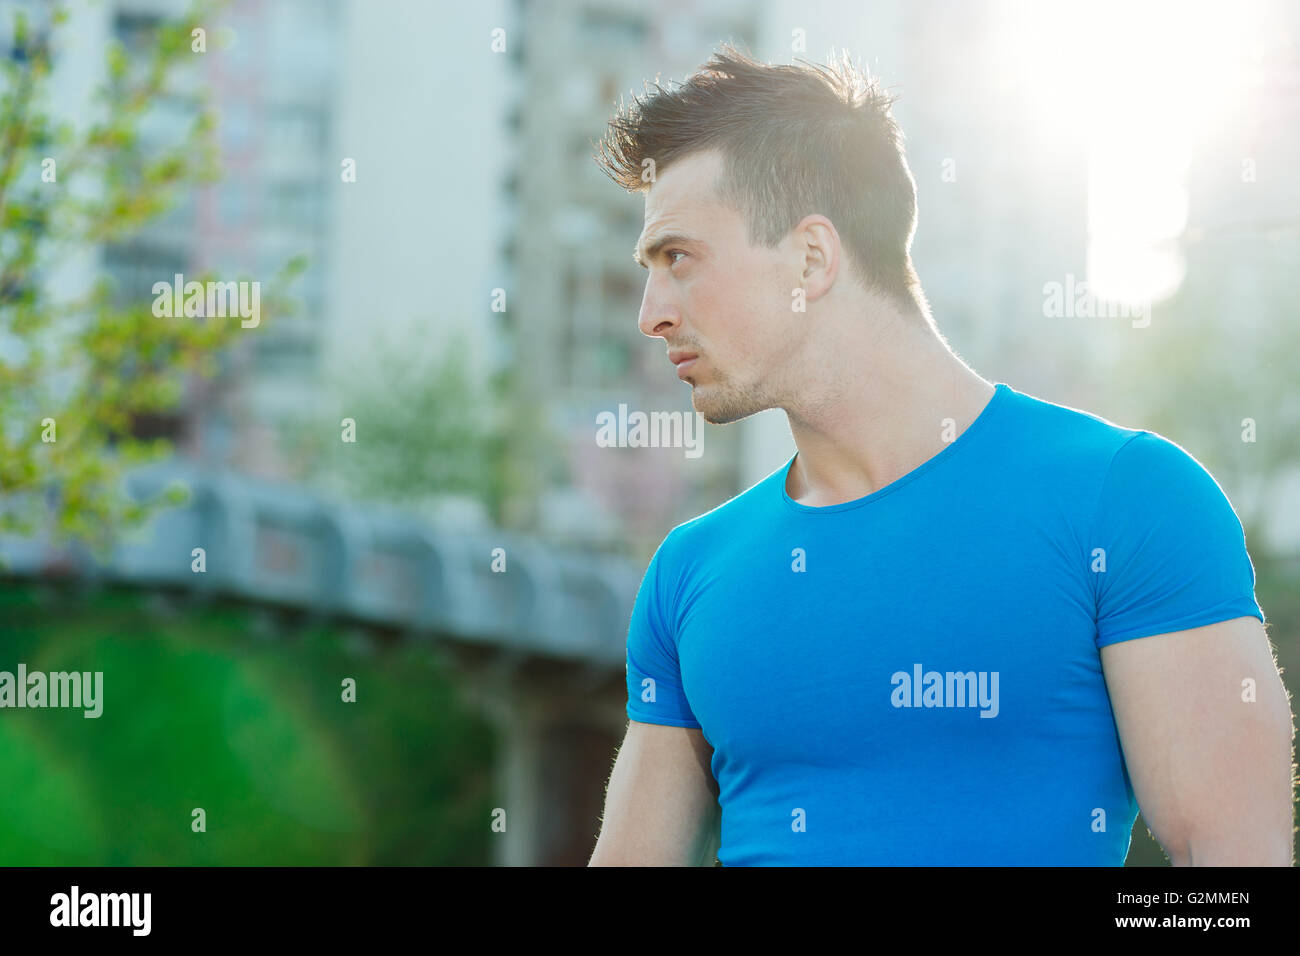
(914, 677)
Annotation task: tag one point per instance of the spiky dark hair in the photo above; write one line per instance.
(795, 140)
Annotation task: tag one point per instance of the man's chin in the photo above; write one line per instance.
(713, 411)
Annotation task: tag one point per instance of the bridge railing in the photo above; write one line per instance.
(278, 544)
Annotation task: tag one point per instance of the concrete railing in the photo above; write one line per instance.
(278, 544)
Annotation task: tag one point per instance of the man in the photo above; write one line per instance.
(961, 625)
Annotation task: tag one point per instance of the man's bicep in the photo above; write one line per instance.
(661, 805)
(1205, 727)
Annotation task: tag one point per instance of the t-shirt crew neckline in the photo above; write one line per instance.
(1000, 393)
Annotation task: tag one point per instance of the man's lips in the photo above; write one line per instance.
(683, 361)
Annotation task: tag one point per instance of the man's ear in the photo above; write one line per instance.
(818, 246)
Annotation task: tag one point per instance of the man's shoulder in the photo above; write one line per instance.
(1072, 450)
(744, 510)
(1110, 464)
(1061, 428)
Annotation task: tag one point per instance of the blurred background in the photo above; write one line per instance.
(392, 478)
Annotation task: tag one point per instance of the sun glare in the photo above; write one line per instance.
(1143, 85)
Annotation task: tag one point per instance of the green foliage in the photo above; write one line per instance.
(426, 428)
(201, 711)
(91, 363)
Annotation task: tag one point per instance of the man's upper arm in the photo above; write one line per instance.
(661, 807)
(1203, 718)
(1206, 730)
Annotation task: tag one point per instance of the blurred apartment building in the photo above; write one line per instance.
(398, 257)
(269, 75)
(273, 83)
(474, 173)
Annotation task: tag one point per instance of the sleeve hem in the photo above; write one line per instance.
(665, 721)
(1228, 611)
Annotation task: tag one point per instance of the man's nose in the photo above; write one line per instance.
(659, 313)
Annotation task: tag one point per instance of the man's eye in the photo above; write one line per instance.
(673, 252)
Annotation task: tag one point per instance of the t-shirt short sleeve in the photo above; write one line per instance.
(1174, 550)
(654, 680)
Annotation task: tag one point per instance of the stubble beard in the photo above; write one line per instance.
(721, 401)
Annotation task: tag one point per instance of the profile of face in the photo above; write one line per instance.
(711, 294)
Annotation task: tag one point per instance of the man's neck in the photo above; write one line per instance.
(879, 413)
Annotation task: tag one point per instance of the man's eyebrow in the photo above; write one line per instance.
(652, 250)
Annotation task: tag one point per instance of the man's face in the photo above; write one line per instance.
(712, 294)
